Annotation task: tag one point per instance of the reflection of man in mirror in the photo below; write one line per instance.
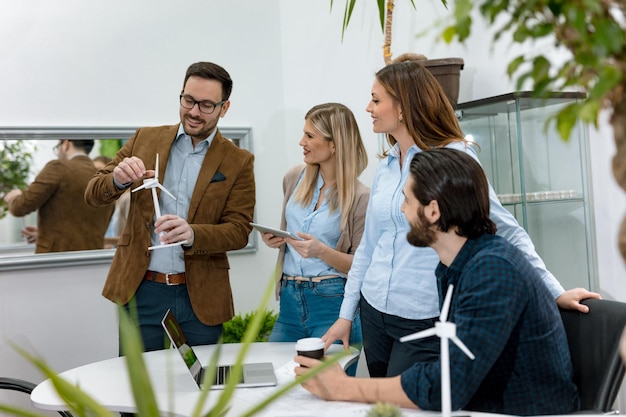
(212, 181)
(64, 221)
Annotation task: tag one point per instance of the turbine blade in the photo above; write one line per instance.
(165, 190)
(462, 346)
(419, 335)
(141, 187)
(446, 304)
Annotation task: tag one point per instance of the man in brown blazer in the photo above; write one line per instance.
(212, 181)
(64, 221)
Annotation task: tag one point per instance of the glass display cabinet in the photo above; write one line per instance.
(541, 179)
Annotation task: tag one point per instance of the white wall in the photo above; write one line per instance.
(56, 314)
(121, 63)
(344, 72)
(117, 63)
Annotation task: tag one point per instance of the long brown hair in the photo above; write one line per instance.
(426, 110)
(336, 123)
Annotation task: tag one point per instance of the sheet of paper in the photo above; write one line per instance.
(300, 403)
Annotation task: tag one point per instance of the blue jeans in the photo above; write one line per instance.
(308, 309)
(150, 304)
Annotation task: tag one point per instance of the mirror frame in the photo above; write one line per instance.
(242, 136)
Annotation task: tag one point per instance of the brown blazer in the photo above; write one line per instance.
(64, 221)
(220, 212)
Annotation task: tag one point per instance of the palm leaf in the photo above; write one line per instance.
(297, 381)
(132, 348)
(248, 338)
(77, 400)
(18, 411)
(82, 404)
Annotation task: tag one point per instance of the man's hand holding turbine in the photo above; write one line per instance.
(130, 170)
(172, 229)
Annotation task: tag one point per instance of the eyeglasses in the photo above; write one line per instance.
(206, 106)
(56, 147)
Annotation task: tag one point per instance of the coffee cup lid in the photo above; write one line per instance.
(310, 343)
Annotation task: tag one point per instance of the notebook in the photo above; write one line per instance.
(254, 374)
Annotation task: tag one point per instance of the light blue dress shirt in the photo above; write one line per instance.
(183, 168)
(322, 223)
(397, 278)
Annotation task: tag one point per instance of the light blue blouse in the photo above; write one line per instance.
(323, 224)
(398, 278)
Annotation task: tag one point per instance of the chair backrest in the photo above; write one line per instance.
(593, 340)
(14, 384)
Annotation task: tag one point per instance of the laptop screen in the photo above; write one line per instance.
(253, 374)
(176, 335)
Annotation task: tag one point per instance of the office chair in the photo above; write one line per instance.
(593, 340)
(26, 387)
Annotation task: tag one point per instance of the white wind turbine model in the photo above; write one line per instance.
(153, 184)
(445, 330)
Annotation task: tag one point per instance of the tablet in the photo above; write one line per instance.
(276, 232)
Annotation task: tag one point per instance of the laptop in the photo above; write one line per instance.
(253, 374)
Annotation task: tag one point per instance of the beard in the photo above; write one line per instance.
(201, 131)
(422, 233)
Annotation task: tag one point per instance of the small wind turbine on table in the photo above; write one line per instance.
(152, 184)
(445, 330)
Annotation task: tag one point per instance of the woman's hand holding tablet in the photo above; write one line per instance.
(275, 232)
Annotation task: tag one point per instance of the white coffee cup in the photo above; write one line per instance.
(311, 347)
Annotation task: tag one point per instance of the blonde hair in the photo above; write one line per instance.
(336, 123)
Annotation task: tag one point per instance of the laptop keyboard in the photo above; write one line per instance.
(222, 374)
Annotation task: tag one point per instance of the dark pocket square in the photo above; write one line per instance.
(218, 177)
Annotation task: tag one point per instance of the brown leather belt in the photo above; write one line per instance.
(309, 279)
(168, 279)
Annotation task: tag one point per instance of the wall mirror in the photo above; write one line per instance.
(15, 253)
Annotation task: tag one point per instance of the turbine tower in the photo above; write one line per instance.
(446, 331)
(152, 184)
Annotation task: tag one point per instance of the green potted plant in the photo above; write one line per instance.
(235, 329)
(15, 161)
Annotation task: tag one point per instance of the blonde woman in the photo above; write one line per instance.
(325, 206)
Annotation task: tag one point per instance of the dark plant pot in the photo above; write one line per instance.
(448, 72)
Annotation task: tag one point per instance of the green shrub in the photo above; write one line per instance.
(237, 326)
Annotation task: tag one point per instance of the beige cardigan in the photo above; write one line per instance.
(350, 236)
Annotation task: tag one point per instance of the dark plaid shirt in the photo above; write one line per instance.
(508, 319)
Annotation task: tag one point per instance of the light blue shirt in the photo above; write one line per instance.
(322, 223)
(183, 168)
(397, 278)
